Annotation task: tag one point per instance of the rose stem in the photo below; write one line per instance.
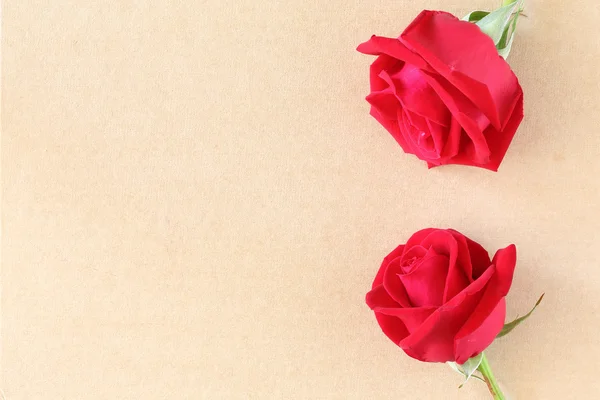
(490, 380)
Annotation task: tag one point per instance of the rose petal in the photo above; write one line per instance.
(394, 286)
(385, 102)
(411, 317)
(464, 255)
(382, 63)
(405, 129)
(393, 128)
(482, 336)
(412, 129)
(498, 142)
(466, 57)
(433, 341)
(417, 121)
(378, 297)
(505, 261)
(438, 134)
(453, 141)
(442, 241)
(421, 141)
(456, 281)
(452, 145)
(469, 118)
(480, 259)
(385, 76)
(418, 237)
(378, 45)
(409, 257)
(425, 283)
(477, 150)
(421, 137)
(392, 327)
(397, 252)
(415, 94)
(417, 124)
(479, 330)
(445, 242)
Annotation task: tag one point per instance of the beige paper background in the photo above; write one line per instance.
(195, 201)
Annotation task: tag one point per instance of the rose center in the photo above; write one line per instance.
(408, 263)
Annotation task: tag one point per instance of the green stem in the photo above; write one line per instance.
(507, 2)
(490, 380)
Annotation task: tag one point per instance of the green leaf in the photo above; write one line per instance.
(512, 325)
(468, 368)
(495, 23)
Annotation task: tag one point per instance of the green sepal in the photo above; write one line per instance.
(468, 368)
(498, 21)
(504, 46)
(499, 25)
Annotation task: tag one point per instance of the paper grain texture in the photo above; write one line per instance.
(195, 202)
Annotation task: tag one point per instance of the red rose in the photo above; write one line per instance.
(444, 93)
(440, 298)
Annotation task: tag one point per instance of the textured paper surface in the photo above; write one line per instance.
(195, 201)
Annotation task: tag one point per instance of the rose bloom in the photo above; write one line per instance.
(444, 93)
(440, 297)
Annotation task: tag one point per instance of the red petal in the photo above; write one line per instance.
(418, 237)
(382, 63)
(464, 255)
(411, 317)
(416, 95)
(482, 336)
(419, 137)
(385, 102)
(378, 45)
(439, 134)
(453, 141)
(505, 261)
(479, 330)
(468, 58)
(442, 241)
(456, 282)
(392, 327)
(480, 259)
(393, 128)
(470, 119)
(405, 129)
(409, 257)
(445, 242)
(378, 297)
(397, 252)
(425, 283)
(394, 285)
(498, 142)
(434, 340)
